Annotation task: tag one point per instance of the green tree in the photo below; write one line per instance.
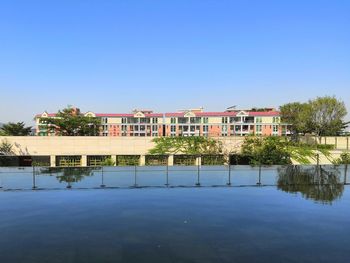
(275, 150)
(266, 151)
(326, 116)
(295, 114)
(71, 122)
(186, 145)
(15, 129)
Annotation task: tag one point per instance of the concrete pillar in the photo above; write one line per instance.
(199, 160)
(142, 160)
(83, 160)
(171, 160)
(336, 142)
(114, 159)
(53, 160)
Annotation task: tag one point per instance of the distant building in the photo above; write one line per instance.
(191, 122)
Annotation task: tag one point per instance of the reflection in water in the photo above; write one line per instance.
(69, 174)
(316, 183)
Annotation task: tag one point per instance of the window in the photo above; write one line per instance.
(195, 120)
(145, 120)
(275, 128)
(154, 120)
(276, 119)
(173, 120)
(258, 128)
(205, 119)
(224, 130)
(224, 119)
(182, 120)
(123, 120)
(154, 128)
(173, 128)
(205, 128)
(258, 119)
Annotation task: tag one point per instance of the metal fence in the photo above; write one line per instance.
(12, 178)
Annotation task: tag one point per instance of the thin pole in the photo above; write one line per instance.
(336, 142)
(259, 182)
(229, 174)
(135, 176)
(345, 173)
(34, 182)
(102, 184)
(167, 175)
(318, 164)
(69, 186)
(198, 175)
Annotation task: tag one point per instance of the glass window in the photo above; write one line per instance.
(258, 119)
(182, 120)
(276, 119)
(275, 128)
(258, 128)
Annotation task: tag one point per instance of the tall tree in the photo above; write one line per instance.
(71, 122)
(15, 129)
(296, 114)
(326, 116)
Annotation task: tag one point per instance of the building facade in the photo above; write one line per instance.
(192, 122)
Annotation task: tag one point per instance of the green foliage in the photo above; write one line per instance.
(70, 122)
(343, 159)
(267, 151)
(6, 148)
(15, 129)
(326, 116)
(108, 162)
(193, 145)
(295, 114)
(69, 174)
(213, 160)
(322, 116)
(278, 151)
(128, 160)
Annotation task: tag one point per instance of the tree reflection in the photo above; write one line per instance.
(69, 174)
(320, 184)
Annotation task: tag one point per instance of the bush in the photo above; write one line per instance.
(266, 151)
(343, 159)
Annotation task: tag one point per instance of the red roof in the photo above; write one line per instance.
(182, 114)
(127, 115)
(264, 113)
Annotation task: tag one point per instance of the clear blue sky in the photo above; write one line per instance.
(113, 56)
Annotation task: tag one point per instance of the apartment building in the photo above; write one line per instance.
(192, 122)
